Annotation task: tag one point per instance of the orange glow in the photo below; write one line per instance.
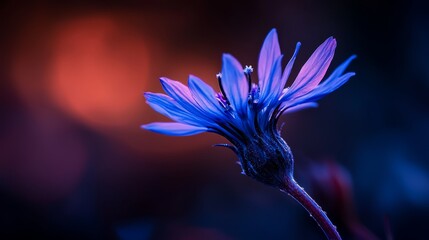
(98, 70)
(95, 68)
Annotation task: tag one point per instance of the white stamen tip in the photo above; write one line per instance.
(248, 69)
(219, 75)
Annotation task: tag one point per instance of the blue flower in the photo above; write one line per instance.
(246, 113)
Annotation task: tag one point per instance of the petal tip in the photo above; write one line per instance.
(272, 32)
(163, 80)
(331, 42)
(227, 57)
(192, 79)
(229, 60)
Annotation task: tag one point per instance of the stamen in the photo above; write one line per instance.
(219, 79)
(223, 102)
(247, 71)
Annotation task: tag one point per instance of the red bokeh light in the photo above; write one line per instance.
(94, 67)
(98, 70)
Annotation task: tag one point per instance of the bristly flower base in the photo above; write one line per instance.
(267, 158)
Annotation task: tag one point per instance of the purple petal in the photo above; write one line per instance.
(319, 92)
(301, 107)
(203, 94)
(289, 66)
(169, 108)
(270, 52)
(272, 89)
(338, 71)
(179, 92)
(161, 103)
(174, 129)
(314, 69)
(331, 86)
(235, 84)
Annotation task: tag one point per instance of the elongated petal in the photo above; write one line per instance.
(160, 103)
(270, 52)
(174, 129)
(318, 93)
(324, 89)
(314, 69)
(179, 92)
(338, 71)
(204, 94)
(169, 108)
(272, 89)
(301, 107)
(235, 84)
(289, 66)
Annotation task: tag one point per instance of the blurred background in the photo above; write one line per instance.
(74, 163)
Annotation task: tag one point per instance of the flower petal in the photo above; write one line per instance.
(301, 107)
(338, 71)
(204, 94)
(314, 69)
(316, 94)
(174, 129)
(271, 91)
(169, 108)
(289, 66)
(324, 89)
(333, 82)
(270, 52)
(160, 102)
(179, 92)
(235, 84)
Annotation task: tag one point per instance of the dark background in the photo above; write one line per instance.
(74, 163)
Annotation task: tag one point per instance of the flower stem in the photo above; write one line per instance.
(297, 192)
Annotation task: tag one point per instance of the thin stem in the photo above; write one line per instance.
(293, 189)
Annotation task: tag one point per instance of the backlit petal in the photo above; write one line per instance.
(174, 129)
(314, 69)
(324, 89)
(289, 66)
(301, 107)
(272, 88)
(169, 108)
(338, 71)
(270, 52)
(179, 92)
(235, 84)
(204, 94)
(318, 93)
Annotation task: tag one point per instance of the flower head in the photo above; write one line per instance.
(245, 112)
